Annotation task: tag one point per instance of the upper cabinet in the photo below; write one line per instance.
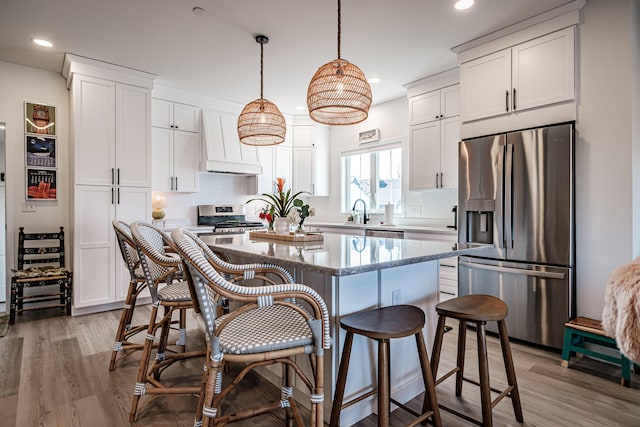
(435, 105)
(174, 115)
(224, 152)
(536, 73)
(434, 133)
(277, 162)
(111, 133)
(311, 159)
(176, 146)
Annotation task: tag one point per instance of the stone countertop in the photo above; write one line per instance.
(338, 254)
(375, 226)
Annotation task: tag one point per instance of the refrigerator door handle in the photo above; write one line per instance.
(544, 274)
(501, 222)
(508, 196)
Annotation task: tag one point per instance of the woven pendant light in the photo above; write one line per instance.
(339, 93)
(260, 122)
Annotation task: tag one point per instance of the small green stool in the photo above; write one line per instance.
(583, 330)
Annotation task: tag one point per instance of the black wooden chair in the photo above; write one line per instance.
(40, 263)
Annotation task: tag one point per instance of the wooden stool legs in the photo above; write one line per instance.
(511, 371)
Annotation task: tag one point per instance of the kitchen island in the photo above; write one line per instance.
(352, 274)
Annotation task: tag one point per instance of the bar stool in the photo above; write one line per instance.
(478, 309)
(383, 324)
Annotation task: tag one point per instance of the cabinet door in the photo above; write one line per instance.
(424, 156)
(133, 139)
(543, 70)
(303, 169)
(450, 101)
(133, 204)
(283, 162)
(162, 159)
(304, 136)
(162, 113)
(186, 160)
(485, 86)
(424, 108)
(94, 246)
(267, 161)
(93, 130)
(186, 117)
(449, 138)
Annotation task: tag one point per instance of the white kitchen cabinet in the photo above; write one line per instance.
(435, 105)
(276, 162)
(176, 160)
(433, 154)
(110, 136)
(532, 74)
(224, 151)
(174, 115)
(311, 159)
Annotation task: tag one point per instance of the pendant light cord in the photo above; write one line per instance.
(339, 27)
(261, 67)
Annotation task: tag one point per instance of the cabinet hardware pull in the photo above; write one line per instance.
(176, 181)
(112, 195)
(171, 183)
(118, 175)
(437, 180)
(514, 99)
(506, 101)
(118, 195)
(112, 176)
(441, 180)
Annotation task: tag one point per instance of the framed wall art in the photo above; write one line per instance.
(40, 151)
(41, 184)
(39, 119)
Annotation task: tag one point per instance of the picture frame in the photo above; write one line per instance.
(40, 151)
(39, 119)
(41, 184)
(372, 135)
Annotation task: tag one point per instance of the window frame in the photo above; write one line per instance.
(368, 148)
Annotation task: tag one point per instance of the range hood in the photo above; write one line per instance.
(223, 151)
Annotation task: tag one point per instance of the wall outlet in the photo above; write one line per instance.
(415, 210)
(395, 297)
(28, 206)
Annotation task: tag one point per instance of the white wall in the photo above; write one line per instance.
(392, 118)
(605, 165)
(17, 85)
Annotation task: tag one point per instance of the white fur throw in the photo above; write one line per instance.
(621, 314)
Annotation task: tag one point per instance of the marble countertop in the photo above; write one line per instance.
(338, 254)
(378, 226)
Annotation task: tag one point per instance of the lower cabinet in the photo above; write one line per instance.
(99, 273)
(448, 278)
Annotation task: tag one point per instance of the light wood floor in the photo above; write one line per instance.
(53, 372)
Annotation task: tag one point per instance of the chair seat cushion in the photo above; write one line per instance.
(41, 271)
(264, 329)
(175, 292)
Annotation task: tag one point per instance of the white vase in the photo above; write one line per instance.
(281, 225)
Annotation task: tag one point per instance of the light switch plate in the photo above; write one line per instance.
(28, 206)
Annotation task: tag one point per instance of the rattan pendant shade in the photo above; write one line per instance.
(260, 122)
(339, 93)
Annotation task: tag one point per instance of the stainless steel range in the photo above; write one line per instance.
(226, 219)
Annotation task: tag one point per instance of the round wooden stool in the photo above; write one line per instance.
(478, 309)
(383, 324)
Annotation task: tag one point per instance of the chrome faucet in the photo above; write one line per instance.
(364, 212)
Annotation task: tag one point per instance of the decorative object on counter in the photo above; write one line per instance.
(339, 93)
(268, 213)
(261, 122)
(158, 204)
(388, 214)
(300, 212)
(282, 203)
(288, 237)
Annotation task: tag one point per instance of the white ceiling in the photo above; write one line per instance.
(216, 54)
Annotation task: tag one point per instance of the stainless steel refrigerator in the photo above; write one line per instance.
(516, 191)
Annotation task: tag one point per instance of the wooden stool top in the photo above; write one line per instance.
(478, 308)
(395, 321)
(587, 325)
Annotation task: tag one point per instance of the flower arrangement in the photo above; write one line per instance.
(268, 213)
(281, 203)
(301, 212)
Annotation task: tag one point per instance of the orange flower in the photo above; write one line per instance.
(281, 182)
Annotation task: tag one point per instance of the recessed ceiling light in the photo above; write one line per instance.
(301, 108)
(199, 11)
(373, 80)
(42, 42)
(463, 4)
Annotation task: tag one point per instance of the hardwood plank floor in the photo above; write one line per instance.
(54, 372)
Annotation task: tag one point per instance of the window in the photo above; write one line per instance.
(373, 175)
